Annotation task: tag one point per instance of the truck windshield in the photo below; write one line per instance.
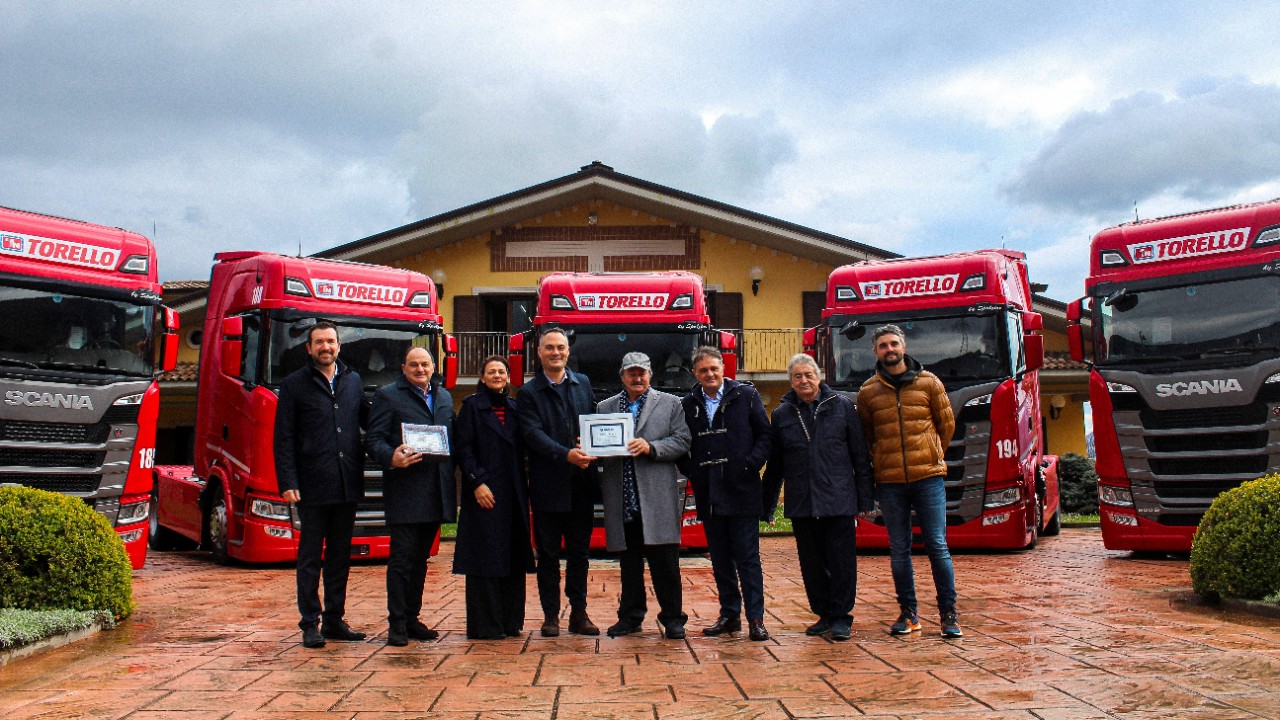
(60, 332)
(1190, 322)
(968, 349)
(597, 353)
(375, 353)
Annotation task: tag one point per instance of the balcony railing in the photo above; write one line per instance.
(759, 350)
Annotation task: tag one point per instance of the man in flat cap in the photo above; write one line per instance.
(644, 500)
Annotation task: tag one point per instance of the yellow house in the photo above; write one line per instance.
(764, 277)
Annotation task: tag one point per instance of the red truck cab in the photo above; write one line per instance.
(607, 315)
(77, 364)
(259, 310)
(1184, 347)
(968, 319)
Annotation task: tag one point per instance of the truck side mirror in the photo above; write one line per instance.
(1075, 333)
(1033, 350)
(232, 346)
(729, 353)
(450, 361)
(810, 341)
(1032, 321)
(515, 358)
(169, 340)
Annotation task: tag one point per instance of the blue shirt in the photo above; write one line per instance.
(712, 403)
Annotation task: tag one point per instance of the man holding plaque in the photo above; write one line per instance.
(409, 432)
(644, 500)
(559, 488)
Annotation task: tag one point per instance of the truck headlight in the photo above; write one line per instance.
(1000, 498)
(269, 509)
(1113, 495)
(133, 513)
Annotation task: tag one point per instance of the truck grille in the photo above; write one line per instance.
(1253, 414)
(35, 457)
(59, 483)
(22, 431)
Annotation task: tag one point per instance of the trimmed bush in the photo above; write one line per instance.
(1077, 484)
(57, 553)
(1234, 550)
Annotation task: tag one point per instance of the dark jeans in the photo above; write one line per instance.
(325, 543)
(734, 544)
(664, 569)
(407, 569)
(828, 564)
(572, 530)
(929, 500)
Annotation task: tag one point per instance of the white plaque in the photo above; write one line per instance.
(426, 439)
(607, 434)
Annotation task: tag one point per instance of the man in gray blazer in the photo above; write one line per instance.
(643, 500)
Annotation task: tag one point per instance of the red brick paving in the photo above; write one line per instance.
(1069, 631)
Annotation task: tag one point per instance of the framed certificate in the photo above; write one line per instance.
(607, 434)
(426, 439)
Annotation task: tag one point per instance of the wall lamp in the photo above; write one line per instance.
(1056, 403)
(757, 274)
(438, 276)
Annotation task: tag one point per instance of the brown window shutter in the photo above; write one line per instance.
(468, 313)
(811, 302)
(725, 309)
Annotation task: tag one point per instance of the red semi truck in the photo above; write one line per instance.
(260, 308)
(607, 315)
(77, 366)
(1184, 314)
(968, 319)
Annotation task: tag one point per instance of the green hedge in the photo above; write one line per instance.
(57, 553)
(1234, 553)
(23, 627)
(1077, 485)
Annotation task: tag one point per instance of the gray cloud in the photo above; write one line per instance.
(1213, 139)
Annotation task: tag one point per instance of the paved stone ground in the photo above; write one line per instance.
(1065, 632)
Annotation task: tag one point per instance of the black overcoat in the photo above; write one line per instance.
(488, 452)
(550, 431)
(424, 492)
(317, 436)
(728, 450)
(826, 465)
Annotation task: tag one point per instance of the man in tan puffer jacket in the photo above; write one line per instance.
(908, 421)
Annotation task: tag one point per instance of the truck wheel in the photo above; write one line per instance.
(161, 538)
(216, 528)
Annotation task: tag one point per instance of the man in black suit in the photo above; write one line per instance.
(559, 488)
(418, 489)
(320, 466)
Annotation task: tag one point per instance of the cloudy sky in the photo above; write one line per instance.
(918, 127)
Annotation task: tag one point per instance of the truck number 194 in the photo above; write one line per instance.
(1006, 448)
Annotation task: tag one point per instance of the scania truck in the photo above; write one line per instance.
(82, 313)
(968, 319)
(260, 308)
(607, 315)
(1181, 325)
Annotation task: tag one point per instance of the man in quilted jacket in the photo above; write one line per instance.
(909, 423)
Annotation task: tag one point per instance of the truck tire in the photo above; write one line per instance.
(160, 537)
(215, 524)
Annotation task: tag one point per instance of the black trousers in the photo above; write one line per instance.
(664, 569)
(828, 564)
(407, 569)
(572, 530)
(734, 544)
(324, 544)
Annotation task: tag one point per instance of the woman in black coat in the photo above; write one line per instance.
(493, 549)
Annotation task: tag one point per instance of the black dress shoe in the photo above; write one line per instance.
(397, 636)
(841, 630)
(723, 626)
(674, 631)
(623, 627)
(312, 638)
(758, 631)
(416, 630)
(822, 627)
(340, 630)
